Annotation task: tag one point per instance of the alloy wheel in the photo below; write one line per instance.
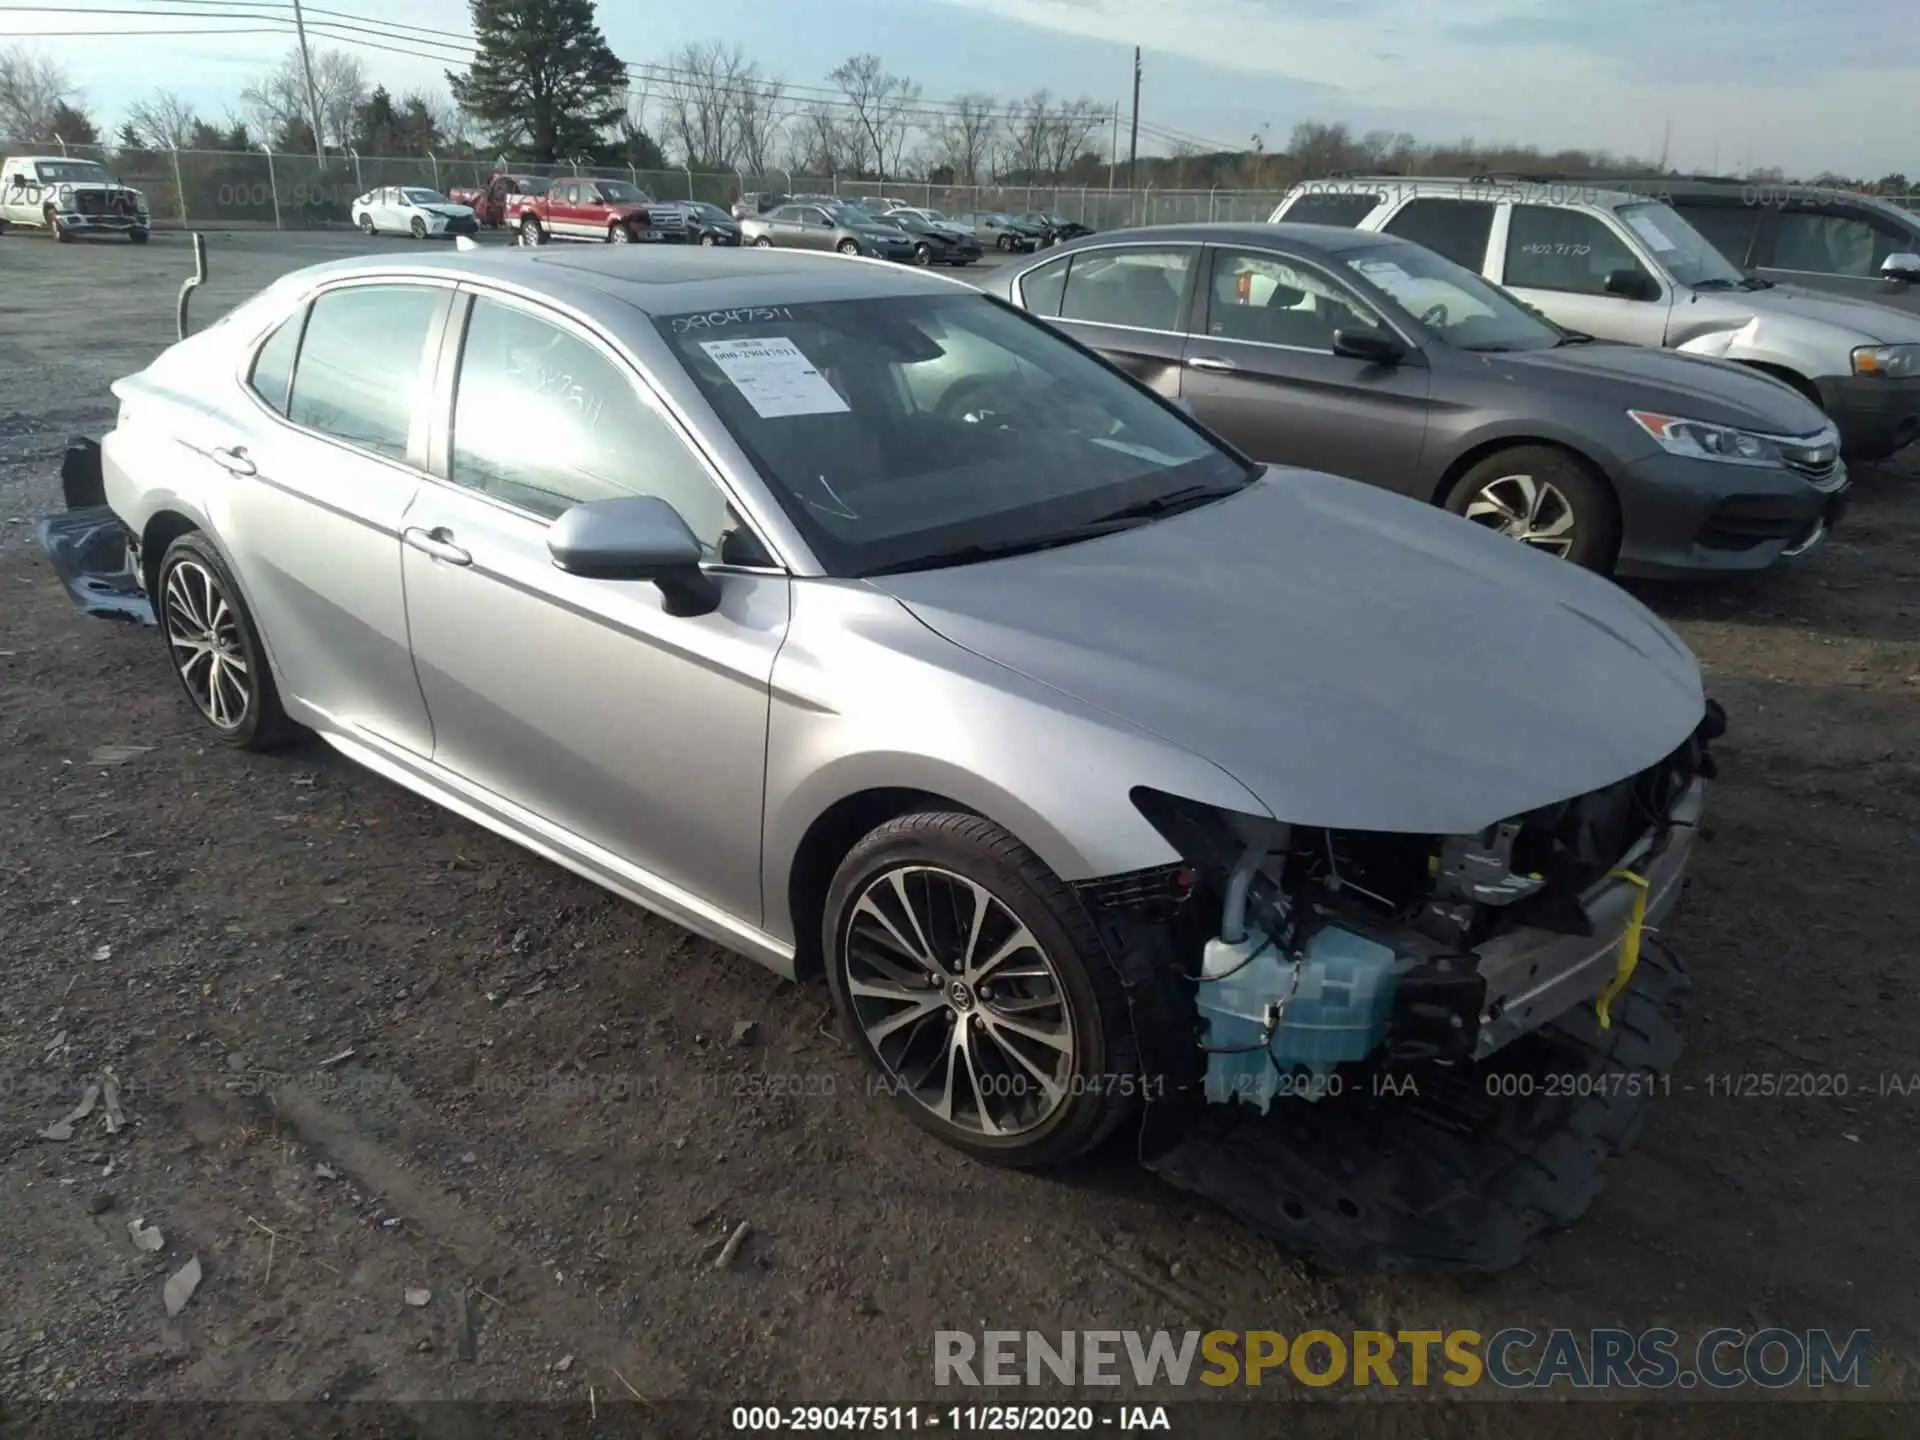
(203, 633)
(620, 235)
(1527, 509)
(959, 1001)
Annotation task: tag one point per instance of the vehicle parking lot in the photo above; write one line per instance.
(364, 1047)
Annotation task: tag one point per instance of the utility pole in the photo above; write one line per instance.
(1113, 152)
(1133, 142)
(313, 95)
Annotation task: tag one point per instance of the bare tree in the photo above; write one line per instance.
(762, 115)
(32, 87)
(276, 102)
(882, 106)
(817, 141)
(1069, 129)
(701, 94)
(1029, 133)
(964, 142)
(1318, 150)
(163, 121)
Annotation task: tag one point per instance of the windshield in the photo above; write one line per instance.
(620, 192)
(854, 215)
(909, 431)
(72, 172)
(706, 211)
(1450, 300)
(1687, 255)
(906, 220)
(424, 197)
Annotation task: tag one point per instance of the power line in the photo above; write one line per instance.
(445, 46)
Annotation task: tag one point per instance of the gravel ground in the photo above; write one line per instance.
(551, 1108)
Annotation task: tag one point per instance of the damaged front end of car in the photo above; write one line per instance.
(1406, 1050)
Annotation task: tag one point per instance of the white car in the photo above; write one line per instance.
(933, 217)
(412, 210)
(70, 197)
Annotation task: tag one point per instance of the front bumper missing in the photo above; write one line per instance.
(89, 547)
(1533, 976)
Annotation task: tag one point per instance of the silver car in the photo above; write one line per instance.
(867, 626)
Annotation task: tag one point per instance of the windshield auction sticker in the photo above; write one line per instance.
(776, 379)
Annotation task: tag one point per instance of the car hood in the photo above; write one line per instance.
(1865, 317)
(78, 186)
(1355, 659)
(1696, 388)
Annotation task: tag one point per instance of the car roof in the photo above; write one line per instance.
(53, 159)
(1573, 190)
(1307, 239)
(666, 280)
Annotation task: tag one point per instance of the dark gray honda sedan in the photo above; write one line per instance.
(1377, 359)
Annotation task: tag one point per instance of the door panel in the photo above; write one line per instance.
(585, 702)
(1289, 399)
(1130, 303)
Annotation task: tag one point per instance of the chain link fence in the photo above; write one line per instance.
(273, 190)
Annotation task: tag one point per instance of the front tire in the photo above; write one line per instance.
(848, 247)
(419, 228)
(1545, 498)
(972, 980)
(61, 235)
(215, 648)
(923, 254)
(765, 242)
(619, 235)
(139, 237)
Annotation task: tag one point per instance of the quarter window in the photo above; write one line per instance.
(1330, 207)
(359, 374)
(1566, 250)
(273, 363)
(1141, 289)
(1457, 229)
(1040, 290)
(1829, 244)
(543, 421)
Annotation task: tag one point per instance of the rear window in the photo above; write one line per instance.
(1330, 207)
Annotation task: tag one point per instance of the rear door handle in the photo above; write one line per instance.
(1207, 362)
(234, 460)
(438, 543)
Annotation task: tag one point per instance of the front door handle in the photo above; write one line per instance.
(438, 543)
(234, 460)
(1207, 362)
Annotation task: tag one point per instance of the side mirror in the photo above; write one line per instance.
(1631, 285)
(635, 537)
(1902, 267)
(1372, 348)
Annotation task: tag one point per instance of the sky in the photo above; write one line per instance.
(1717, 84)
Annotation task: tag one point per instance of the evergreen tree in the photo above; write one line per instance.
(543, 76)
(72, 125)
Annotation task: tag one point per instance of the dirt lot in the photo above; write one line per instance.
(547, 1105)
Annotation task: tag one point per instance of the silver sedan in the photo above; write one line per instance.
(867, 626)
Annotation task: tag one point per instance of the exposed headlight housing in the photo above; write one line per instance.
(1892, 361)
(1702, 440)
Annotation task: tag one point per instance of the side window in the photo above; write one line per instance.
(273, 362)
(1728, 228)
(543, 421)
(1457, 229)
(1326, 207)
(1040, 290)
(1258, 296)
(1142, 289)
(1829, 244)
(359, 374)
(1568, 250)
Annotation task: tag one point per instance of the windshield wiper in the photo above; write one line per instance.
(997, 549)
(1171, 503)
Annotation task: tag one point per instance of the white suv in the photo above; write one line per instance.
(1626, 267)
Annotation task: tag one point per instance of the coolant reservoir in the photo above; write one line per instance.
(1336, 1009)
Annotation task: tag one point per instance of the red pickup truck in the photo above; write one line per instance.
(496, 202)
(578, 208)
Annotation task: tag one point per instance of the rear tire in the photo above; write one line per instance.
(215, 647)
(366, 226)
(530, 231)
(139, 237)
(1545, 498)
(1006, 945)
(765, 242)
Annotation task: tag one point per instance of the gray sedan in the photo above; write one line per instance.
(1375, 358)
(844, 228)
(866, 626)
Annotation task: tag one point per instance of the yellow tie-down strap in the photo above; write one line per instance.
(1629, 947)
